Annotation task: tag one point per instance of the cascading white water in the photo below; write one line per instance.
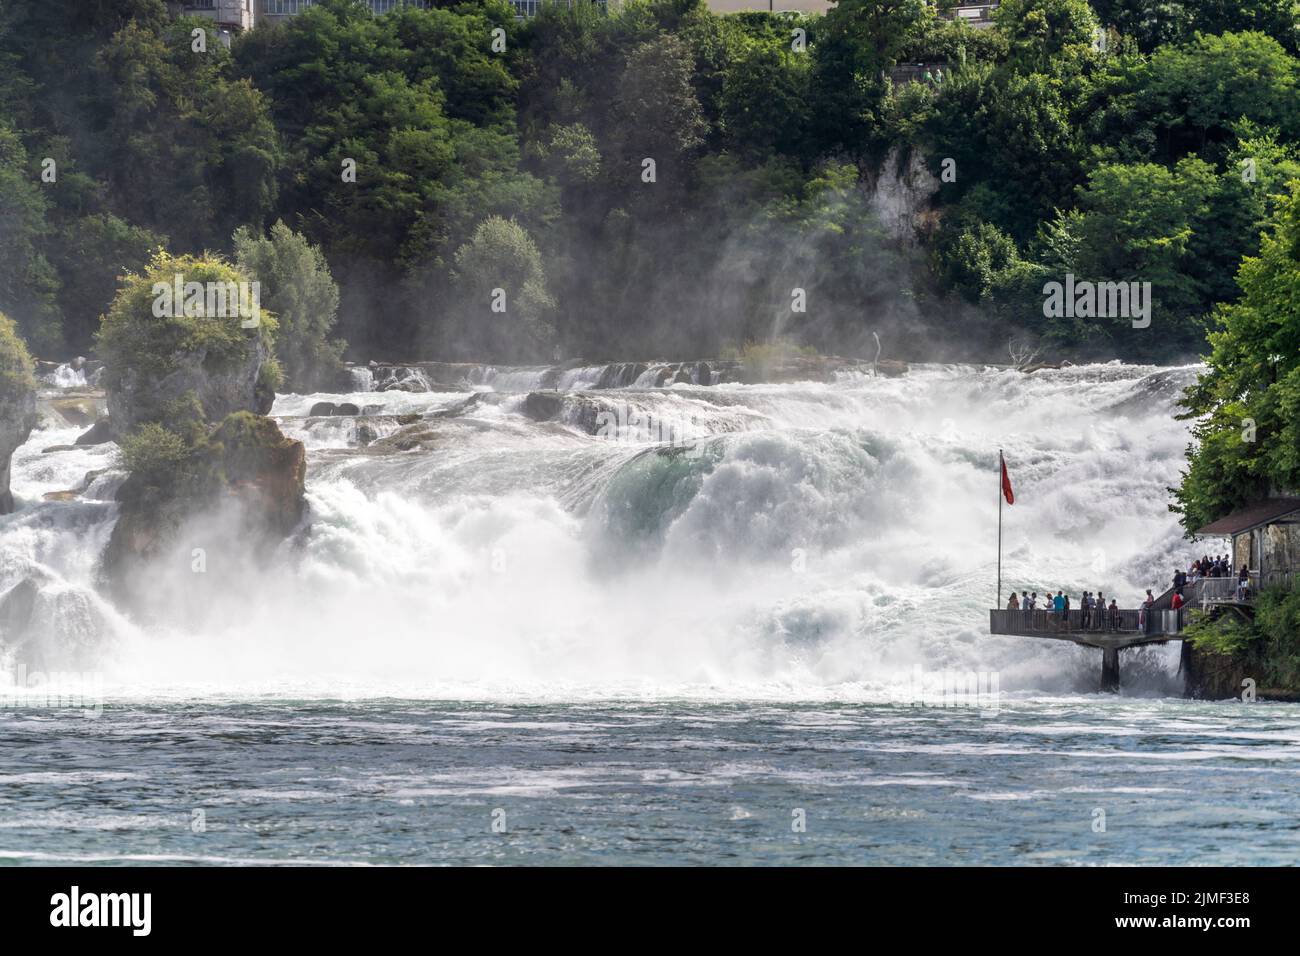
(65, 376)
(799, 541)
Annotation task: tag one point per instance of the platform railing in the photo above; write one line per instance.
(1074, 621)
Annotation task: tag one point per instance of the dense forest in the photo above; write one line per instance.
(653, 180)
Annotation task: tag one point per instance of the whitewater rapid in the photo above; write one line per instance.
(796, 541)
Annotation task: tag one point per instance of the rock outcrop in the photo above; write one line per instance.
(245, 483)
(17, 403)
(902, 193)
(187, 394)
(263, 471)
(326, 409)
(47, 625)
(98, 434)
(221, 385)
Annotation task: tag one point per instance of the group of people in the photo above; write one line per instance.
(1094, 612)
(1205, 567)
(1220, 566)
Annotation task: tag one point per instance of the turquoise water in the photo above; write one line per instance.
(213, 781)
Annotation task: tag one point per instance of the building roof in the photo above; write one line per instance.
(1252, 516)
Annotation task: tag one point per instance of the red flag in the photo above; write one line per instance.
(1006, 482)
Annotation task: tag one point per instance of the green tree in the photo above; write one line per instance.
(764, 103)
(1045, 34)
(500, 268)
(297, 286)
(28, 283)
(1175, 21)
(187, 149)
(857, 44)
(401, 133)
(570, 155)
(1196, 92)
(17, 402)
(1247, 402)
(1017, 154)
(659, 114)
(90, 253)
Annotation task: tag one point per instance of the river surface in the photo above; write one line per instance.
(693, 624)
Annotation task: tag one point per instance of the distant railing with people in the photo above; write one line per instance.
(1077, 622)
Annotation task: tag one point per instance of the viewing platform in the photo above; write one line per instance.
(1265, 541)
(1110, 631)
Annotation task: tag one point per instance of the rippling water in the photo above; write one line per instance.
(405, 782)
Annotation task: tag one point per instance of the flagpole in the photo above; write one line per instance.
(1001, 465)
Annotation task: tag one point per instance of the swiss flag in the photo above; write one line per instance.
(1006, 482)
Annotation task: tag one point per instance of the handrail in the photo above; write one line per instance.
(1077, 622)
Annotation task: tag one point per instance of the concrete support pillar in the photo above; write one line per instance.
(1110, 670)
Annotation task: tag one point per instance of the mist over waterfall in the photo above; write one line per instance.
(807, 540)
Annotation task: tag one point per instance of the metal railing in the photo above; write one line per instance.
(1041, 621)
(1078, 622)
(1211, 589)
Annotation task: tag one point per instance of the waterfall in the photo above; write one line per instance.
(803, 539)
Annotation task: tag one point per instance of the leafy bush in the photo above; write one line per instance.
(157, 459)
(1268, 646)
(15, 361)
(1227, 635)
(1277, 618)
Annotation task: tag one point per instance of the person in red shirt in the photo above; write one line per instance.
(1177, 601)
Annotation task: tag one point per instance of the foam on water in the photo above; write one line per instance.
(804, 541)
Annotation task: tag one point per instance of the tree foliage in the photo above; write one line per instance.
(1103, 139)
(1247, 403)
(296, 285)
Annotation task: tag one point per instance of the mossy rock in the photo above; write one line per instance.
(159, 350)
(245, 473)
(263, 468)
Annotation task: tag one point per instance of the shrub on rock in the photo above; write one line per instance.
(17, 403)
(187, 325)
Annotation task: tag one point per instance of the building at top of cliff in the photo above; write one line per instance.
(978, 15)
(232, 16)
